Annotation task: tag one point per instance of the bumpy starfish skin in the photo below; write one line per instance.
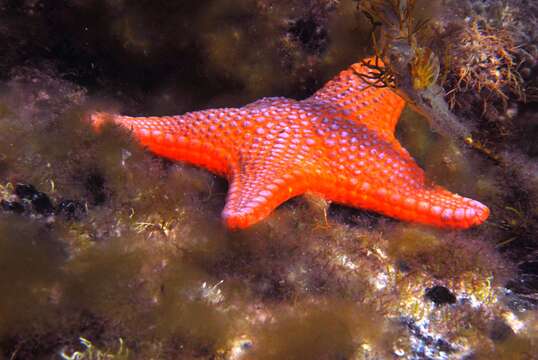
(338, 143)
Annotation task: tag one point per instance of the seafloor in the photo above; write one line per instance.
(108, 252)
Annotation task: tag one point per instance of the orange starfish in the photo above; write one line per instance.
(338, 143)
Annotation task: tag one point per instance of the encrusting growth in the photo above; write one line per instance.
(338, 143)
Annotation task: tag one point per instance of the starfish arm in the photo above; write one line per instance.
(354, 98)
(395, 186)
(258, 186)
(437, 206)
(192, 137)
(362, 169)
(426, 205)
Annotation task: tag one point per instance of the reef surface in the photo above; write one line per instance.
(108, 252)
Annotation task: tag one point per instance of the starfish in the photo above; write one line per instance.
(338, 144)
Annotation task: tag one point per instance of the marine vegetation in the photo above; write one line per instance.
(102, 240)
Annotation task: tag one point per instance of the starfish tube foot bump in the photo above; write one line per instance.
(339, 144)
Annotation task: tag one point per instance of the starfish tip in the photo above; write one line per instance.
(482, 212)
(235, 221)
(98, 119)
(474, 214)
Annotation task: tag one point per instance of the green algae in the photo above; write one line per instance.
(317, 331)
(514, 347)
(103, 280)
(444, 162)
(141, 264)
(31, 259)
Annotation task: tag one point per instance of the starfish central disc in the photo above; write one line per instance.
(338, 143)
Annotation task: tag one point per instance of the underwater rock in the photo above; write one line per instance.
(95, 185)
(440, 295)
(42, 204)
(40, 201)
(71, 209)
(25, 191)
(312, 36)
(500, 331)
(12, 206)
